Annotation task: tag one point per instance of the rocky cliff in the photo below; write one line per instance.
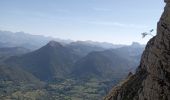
(152, 78)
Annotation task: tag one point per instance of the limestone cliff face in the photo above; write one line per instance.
(152, 79)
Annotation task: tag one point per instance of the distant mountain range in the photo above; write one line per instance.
(33, 42)
(21, 39)
(55, 60)
(113, 63)
(12, 51)
(45, 64)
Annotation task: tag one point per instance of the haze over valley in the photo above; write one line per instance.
(84, 50)
(62, 69)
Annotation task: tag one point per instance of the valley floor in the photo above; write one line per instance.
(62, 89)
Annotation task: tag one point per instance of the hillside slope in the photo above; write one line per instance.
(16, 75)
(106, 64)
(50, 61)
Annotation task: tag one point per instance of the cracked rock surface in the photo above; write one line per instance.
(152, 78)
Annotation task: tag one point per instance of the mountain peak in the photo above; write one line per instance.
(54, 44)
(136, 44)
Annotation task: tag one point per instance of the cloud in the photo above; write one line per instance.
(117, 24)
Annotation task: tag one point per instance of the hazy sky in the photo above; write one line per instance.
(115, 21)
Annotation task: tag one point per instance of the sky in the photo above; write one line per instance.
(114, 21)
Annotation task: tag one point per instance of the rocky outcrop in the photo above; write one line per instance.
(152, 78)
